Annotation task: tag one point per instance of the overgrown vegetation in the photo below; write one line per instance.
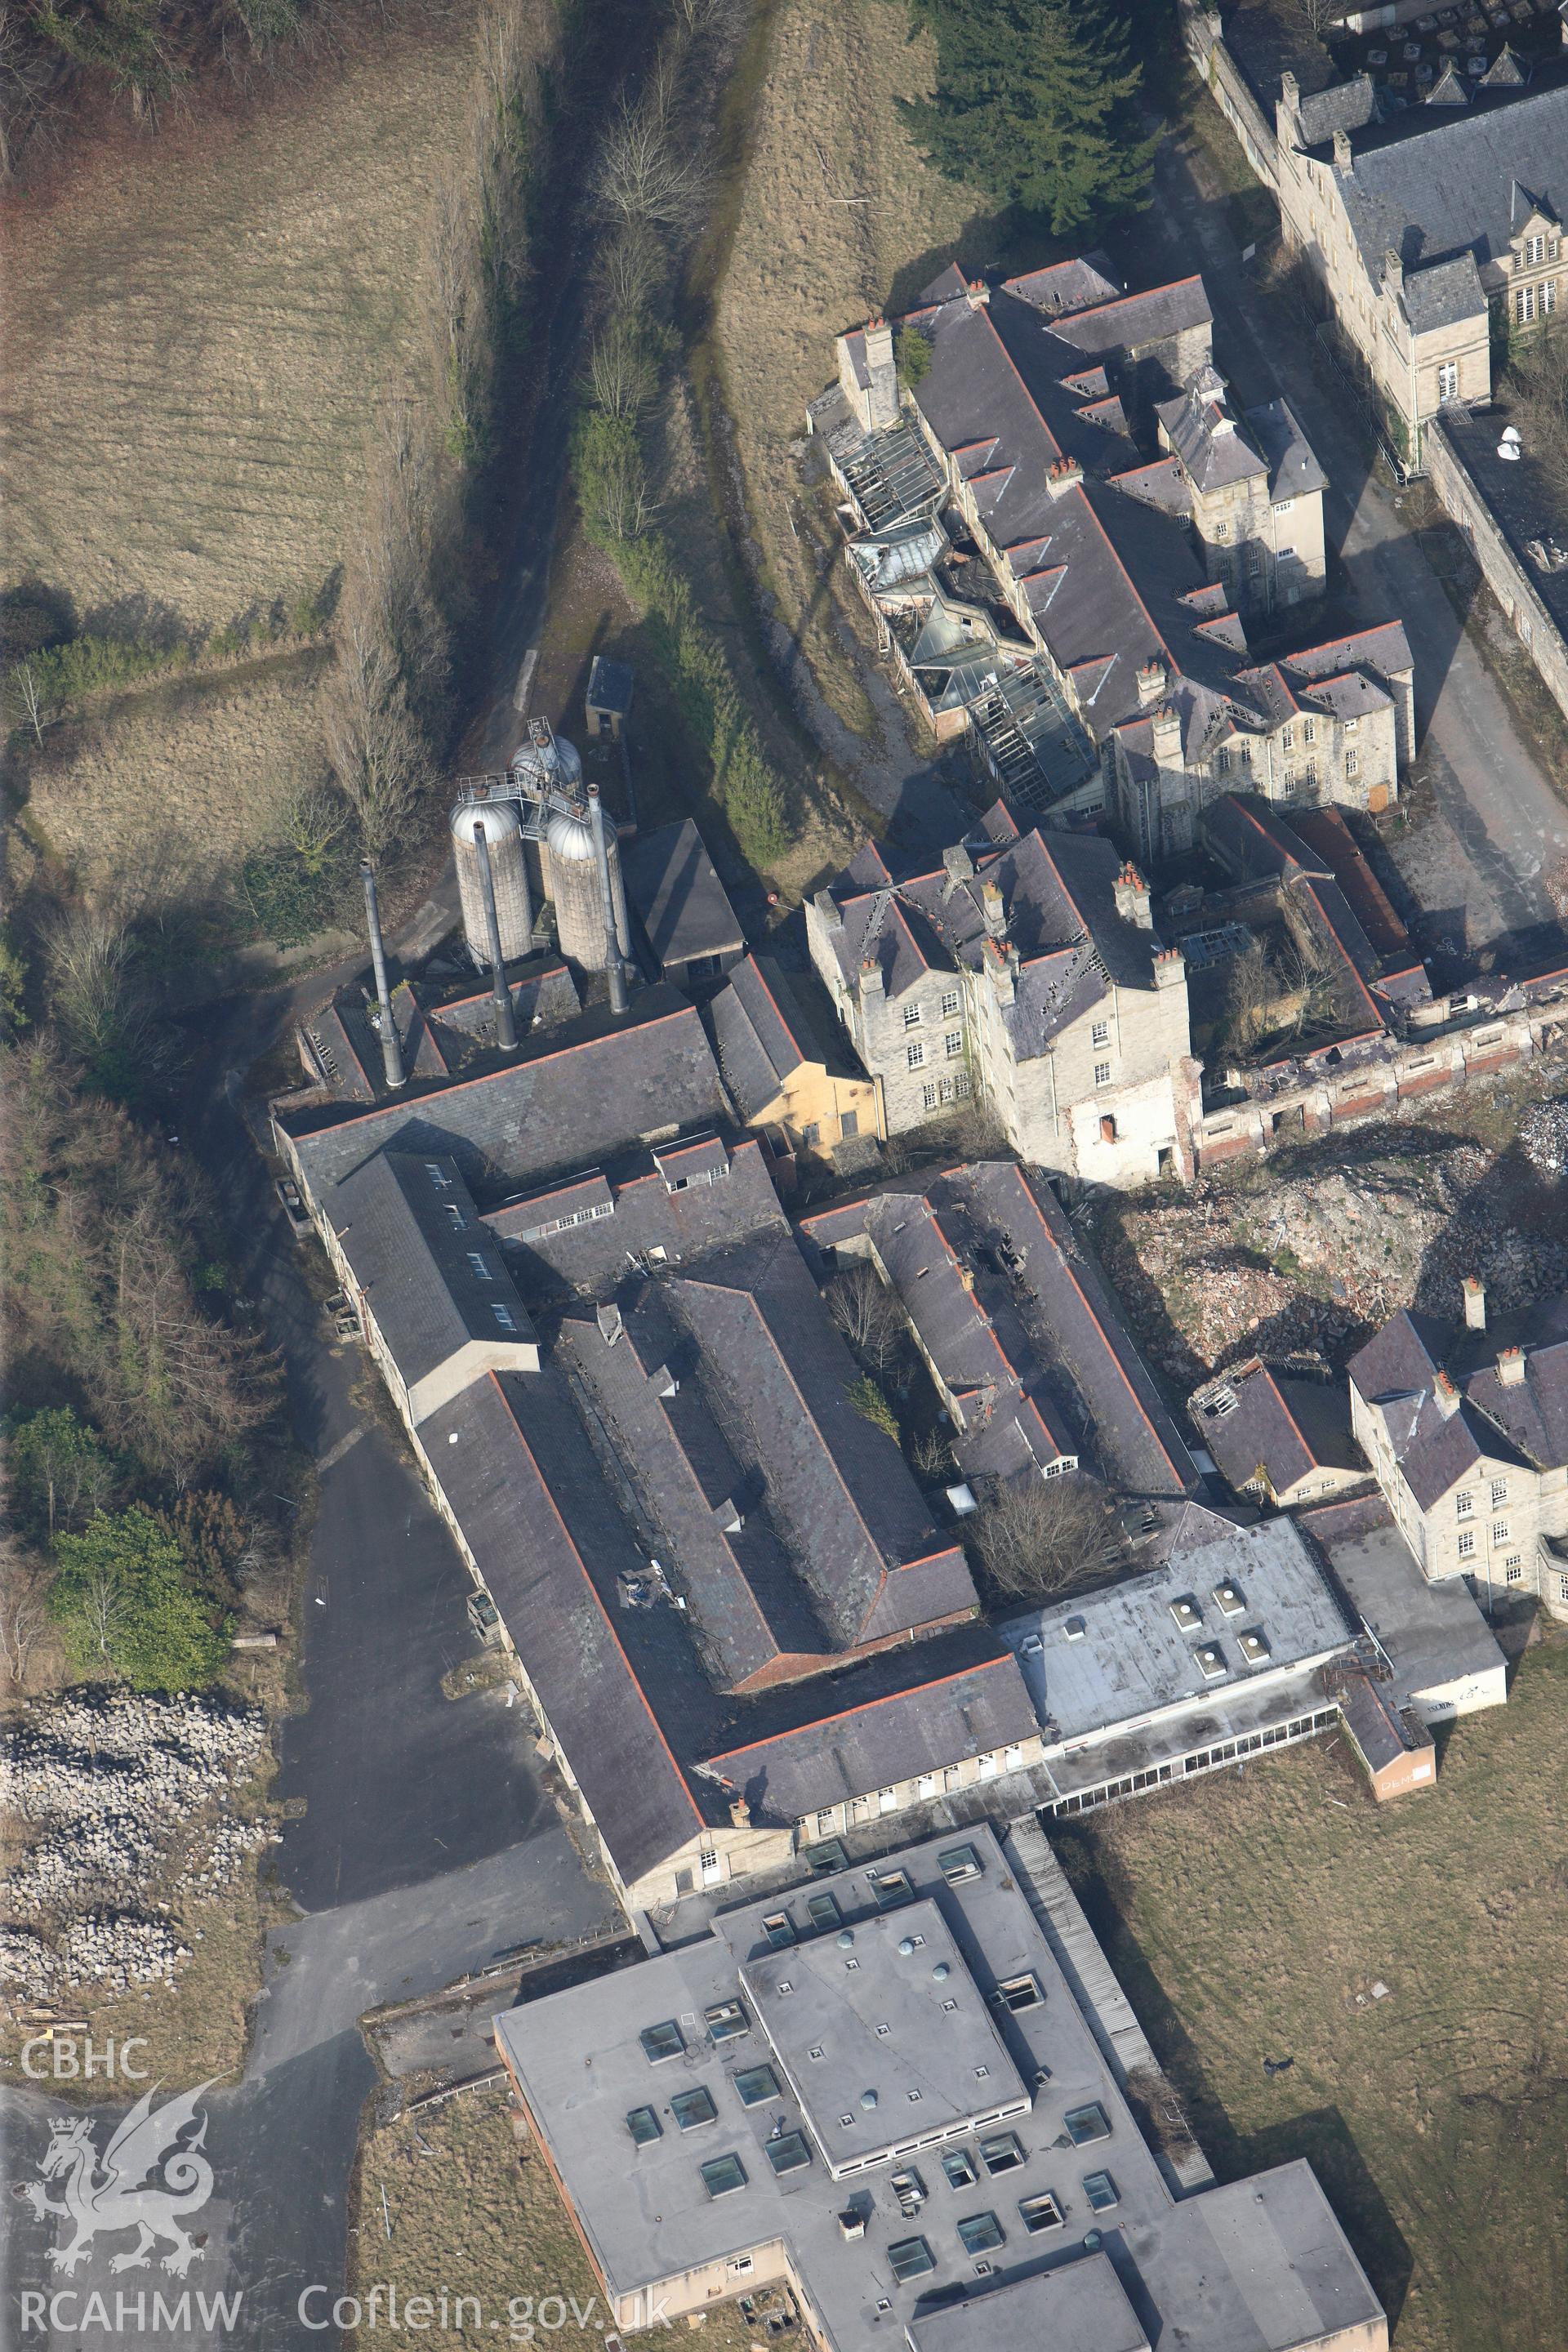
(1036, 101)
(1250, 1915)
(652, 186)
(866, 1397)
(1040, 1538)
(126, 1596)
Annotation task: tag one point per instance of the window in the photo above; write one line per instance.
(1101, 2192)
(480, 1264)
(1448, 380)
(980, 2232)
(1309, 730)
(662, 2041)
(1500, 1531)
(886, 1800)
(723, 2174)
(1534, 251)
(958, 1864)
(810, 1134)
(456, 1214)
(789, 2154)
(953, 1042)
(913, 1015)
(1500, 1492)
(962, 1085)
(1351, 726)
(726, 2019)
(893, 1887)
(754, 2086)
(643, 2126)
(1351, 763)
(1283, 506)
(1548, 297)
(1108, 1129)
(503, 1316)
(1467, 1546)
(1041, 2212)
(1021, 1992)
(958, 2168)
(1287, 739)
(1101, 1033)
(1465, 1503)
(1102, 1073)
(1086, 2124)
(1222, 530)
(692, 2109)
(1002, 2152)
(823, 1911)
(1222, 763)
(437, 1175)
(848, 1125)
(1286, 554)
(1513, 1570)
(929, 1098)
(950, 999)
(915, 1054)
(1524, 305)
(911, 2258)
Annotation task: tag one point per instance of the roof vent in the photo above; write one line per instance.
(1229, 1599)
(1076, 1628)
(867, 2100)
(906, 1944)
(843, 1939)
(1253, 1648)
(1210, 1662)
(1189, 1617)
(941, 1972)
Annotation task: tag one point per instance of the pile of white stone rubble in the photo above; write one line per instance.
(127, 1805)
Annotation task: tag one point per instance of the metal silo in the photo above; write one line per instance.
(572, 877)
(514, 903)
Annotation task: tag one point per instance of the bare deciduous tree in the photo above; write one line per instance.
(103, 1011)
(26, 679)
(648, 173)
(623, 374)
(868, 1314)
(631, 268)
(24, 1611)
(376, 747)
(1042, 1538)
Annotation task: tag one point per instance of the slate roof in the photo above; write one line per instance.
(1052, 1308)
(1255, 842)
(649, 1223)
(859, 1746)
(1443, 295)
(414, 1259)
(776, 1375)
(1203, 434)
(1436, 183)
(527, 1518)
(1058, 900)
(1293, 468)
(1255, 1417)
(610, 685)
(675, 887)
(567, 1097)
(1063, 286)
(762, 1034)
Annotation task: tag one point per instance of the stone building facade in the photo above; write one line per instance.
(1257, 493)
(1467, 1433)
(1420, 230)
(1024, 972)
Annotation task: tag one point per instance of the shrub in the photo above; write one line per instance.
(871, 1405)
(912, 356)
(124, 1602)
(62, 1470)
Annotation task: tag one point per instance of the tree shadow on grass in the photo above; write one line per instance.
(1321, 2135)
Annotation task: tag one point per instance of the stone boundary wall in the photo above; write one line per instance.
(1502, 568)
(1205, 40)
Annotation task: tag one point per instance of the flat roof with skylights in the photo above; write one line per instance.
(886, 2040)
(718, 2167)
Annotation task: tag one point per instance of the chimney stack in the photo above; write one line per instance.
(1510, 1368)
(993, 908)
(1170, 968)
(1446, 1394)
(871, 980)
(1152, 679)
(390, 1044)
(1132, 899)
(740, 1813)
(1342, 151)
(615, 967)
(1475, 1303)
(506, 1027)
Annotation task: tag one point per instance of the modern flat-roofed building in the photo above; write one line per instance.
(900, 2089)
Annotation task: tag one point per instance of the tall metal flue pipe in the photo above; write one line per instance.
(614, 967)
(391, 1045)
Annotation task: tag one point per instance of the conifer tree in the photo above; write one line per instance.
(1037, 103)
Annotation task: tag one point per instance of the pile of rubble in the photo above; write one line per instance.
(130, 1799)
(1543, 1137)
(1311, 1261)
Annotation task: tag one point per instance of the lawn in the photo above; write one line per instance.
(1250, 1916)
(450, 2199)
(202, 326)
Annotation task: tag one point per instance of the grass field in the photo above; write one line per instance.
(202, 326)
(470, 2210)
(1249, 1917)
(837, 215)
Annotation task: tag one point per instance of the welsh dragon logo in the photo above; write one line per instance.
(125, 2191)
